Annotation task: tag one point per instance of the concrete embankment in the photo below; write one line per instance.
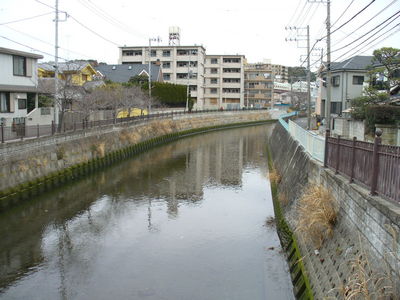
(364, 249)
(31, 166)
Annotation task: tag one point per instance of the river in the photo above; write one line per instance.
(186, 220)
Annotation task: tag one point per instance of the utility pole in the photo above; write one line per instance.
(308, 81)
(188, 83)
(158, 39)
(328, 74)
(56, 104)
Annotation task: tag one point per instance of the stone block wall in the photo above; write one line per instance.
(366, 225)
(29, 160)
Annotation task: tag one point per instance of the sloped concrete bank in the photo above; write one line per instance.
(30, 167)
(365, 240)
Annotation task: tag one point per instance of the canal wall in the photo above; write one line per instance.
(364, 249)
(30, 166)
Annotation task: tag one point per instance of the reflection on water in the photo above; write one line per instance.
(183, 221)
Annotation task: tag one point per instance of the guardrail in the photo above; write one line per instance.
(18, 132)
(311, 142)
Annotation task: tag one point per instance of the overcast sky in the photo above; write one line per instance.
(254, 28)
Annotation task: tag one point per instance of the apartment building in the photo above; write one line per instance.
(258, 85)
(224, 81)
(179, 64)
(281, 73)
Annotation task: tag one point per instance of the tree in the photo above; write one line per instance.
(386, 61)
(299, 72)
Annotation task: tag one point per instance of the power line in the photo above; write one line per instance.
(390, 4)
(33, 49)
(312, 15)
(25, 19)
(94, 32)
(353, 17)
(342, 13)
(362, 50)
(294, 13)
(80, 23)
(44, 42)
(306, 15)
(301, 12)
(368, 39)
(397, 13)
(93, 8)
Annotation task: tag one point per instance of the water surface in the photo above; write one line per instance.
(183, 221)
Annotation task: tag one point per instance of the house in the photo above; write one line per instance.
(123, 72)
(78, 72)
(18, 86)
(348, 78)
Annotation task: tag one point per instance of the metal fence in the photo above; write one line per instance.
(311, 142)
(374, 165)
(18, 132)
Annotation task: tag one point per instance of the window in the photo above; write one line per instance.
(166, 53)
(230, 90)
(19, 65)
(181, 64)
(358, 80)
(193, 88)
(127, 53)
(231, 60)
(137, 53)
(181, 75)
(336, 108)
(214, 71)
(167, 76)
(21, 103)
(335, 80)
(182, 52)
(213, 91)
(153, 53)
(214, 61)
(234, 80)
(231, 70)
(213, 80)
(5, 102)
(166, 65)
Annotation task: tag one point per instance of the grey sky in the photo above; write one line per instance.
(253, 28)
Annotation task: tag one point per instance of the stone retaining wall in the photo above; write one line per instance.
(29, 160)
(366, 224)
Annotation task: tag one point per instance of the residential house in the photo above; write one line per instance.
(78, 72)
(123, 72)
(347, 82)
(18, 87)
(224, 81)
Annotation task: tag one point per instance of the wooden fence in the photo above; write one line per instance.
(373, 165)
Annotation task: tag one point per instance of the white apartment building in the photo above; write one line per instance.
(224, 81)
(180, 65)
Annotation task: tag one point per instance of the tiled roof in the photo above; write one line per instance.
(353, 63)
(122, 73)
(63, 67)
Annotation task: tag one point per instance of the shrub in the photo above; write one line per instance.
(381, 114)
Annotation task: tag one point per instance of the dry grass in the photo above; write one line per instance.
(283, 199)
(366, 283)
(317, 214)
(99, 149)
(274, 176)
